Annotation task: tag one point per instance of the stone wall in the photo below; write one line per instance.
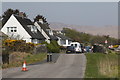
(40, 49)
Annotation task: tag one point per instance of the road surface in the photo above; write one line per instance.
(67, 66)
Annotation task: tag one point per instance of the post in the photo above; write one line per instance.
(106, 45)
(50, 57)
(47, 57)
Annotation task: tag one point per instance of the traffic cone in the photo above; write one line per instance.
(24, 67)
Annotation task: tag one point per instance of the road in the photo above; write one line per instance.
(67, 66)
(0, 67)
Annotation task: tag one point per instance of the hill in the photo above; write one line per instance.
(107, 30)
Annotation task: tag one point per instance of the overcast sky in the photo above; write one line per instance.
(79, 13)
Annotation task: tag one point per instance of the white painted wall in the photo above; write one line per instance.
(67, 43)
(43, 32)
(63, 42)
(59, 41)
(13, 22)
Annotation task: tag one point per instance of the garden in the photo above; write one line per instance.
(15, 52)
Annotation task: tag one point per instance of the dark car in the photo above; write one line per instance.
(70, 49)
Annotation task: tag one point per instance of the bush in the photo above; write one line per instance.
(18, 45)
(53, 47)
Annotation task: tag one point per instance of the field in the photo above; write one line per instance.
(101, 65)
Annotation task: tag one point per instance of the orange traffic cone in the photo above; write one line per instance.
(24, 67)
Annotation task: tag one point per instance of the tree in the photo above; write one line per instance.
(9, 12)
(40, 17)
(88, 38)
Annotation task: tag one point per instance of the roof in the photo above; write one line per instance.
(63, 37)
(45, 27)
(24, 22)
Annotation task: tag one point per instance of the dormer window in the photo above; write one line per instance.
(33, 28)
(50, 31)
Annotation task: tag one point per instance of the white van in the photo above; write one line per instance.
(77, 46)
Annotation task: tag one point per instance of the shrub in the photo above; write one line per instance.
(18, 45)
(53, 47)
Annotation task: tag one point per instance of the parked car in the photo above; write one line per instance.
(78, 47)
(70, 49)
(88, 49)
(99, 48)
(117, 49)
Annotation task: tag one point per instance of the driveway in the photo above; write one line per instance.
(67, 66)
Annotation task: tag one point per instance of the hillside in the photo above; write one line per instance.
(88, 38)
(107, 30)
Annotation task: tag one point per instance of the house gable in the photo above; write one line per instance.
(43, 32)
(13, 22)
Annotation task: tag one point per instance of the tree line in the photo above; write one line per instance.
(89, 38)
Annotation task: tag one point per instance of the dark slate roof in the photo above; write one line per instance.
(53, 37)
(63, 37)
(45, 27)
(24, 22)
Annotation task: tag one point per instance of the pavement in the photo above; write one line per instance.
(66, 66)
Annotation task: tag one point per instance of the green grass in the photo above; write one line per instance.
(31, 58)
(101, 65)
(35, 58)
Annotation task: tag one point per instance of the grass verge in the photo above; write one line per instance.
(101, 65)
(30, 58)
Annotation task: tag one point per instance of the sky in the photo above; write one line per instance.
(78, 13)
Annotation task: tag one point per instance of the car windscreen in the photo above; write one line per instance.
(70, 47)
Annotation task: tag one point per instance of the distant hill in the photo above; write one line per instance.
(107, 30)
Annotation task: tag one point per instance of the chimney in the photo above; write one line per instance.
(41, 21)
(21, 14)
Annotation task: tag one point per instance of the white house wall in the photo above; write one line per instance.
(43, 32)
(62, 42)
(59, 41)
(67, 43)
(13, 22)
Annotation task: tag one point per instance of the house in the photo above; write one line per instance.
(62, 39)
(45, 30)
(19, 27)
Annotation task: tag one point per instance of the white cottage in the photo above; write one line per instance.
(22, 28)
(45, 31)
(63, 40)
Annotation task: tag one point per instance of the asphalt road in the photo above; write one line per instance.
(67, 66)
(0, 67)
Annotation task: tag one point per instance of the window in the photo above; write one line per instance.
(8, 30)
(72, 45)
(33, 28)
(49, 31)
(75, 45)
(11, 29)
(15, 29)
